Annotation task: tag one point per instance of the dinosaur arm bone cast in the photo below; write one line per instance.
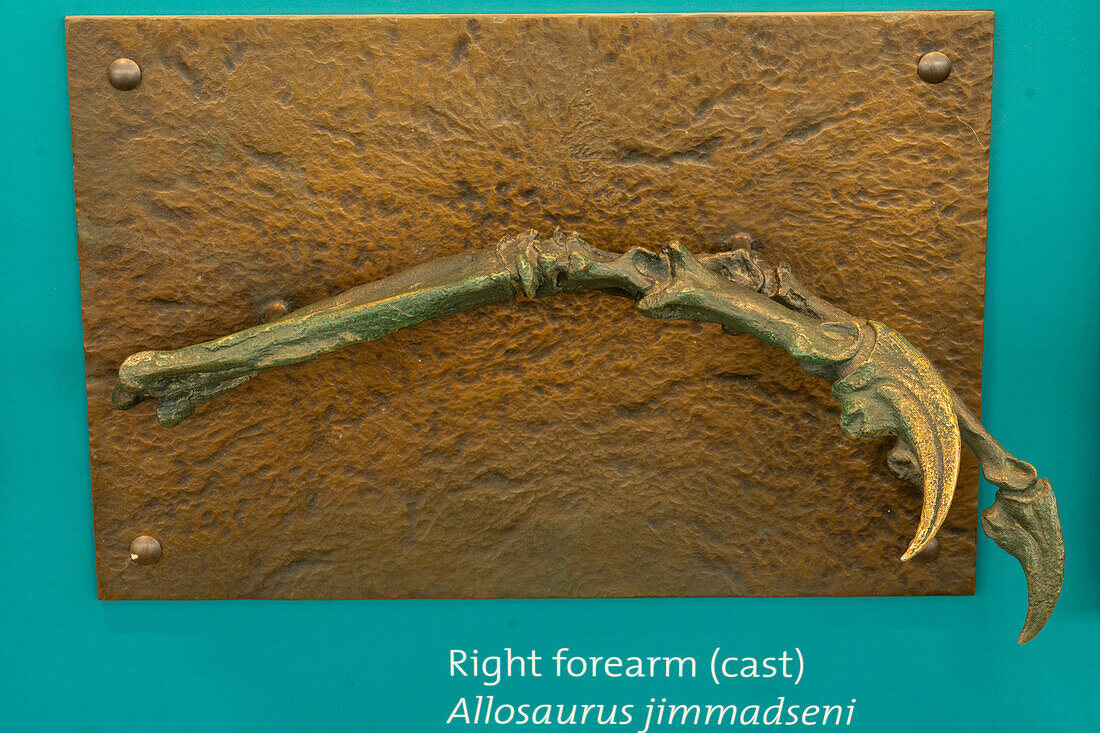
(884, 384)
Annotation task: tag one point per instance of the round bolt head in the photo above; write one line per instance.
(124, 74)
(741, 240)
(934, 67)
(145, 550)
(273, 310)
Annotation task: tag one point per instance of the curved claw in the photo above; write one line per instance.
(939, 462)
(1026, 525)
(895, 390)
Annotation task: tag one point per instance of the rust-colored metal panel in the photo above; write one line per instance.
(522, 450)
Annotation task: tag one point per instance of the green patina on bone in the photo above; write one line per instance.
(885, 385)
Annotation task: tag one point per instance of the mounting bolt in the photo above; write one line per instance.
(934, 67)
(273, 310)
(145, 550)
(124, 74)
(741, 240)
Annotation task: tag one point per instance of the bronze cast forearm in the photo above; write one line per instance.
(885, 385)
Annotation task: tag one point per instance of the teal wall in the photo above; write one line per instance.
(70, 662)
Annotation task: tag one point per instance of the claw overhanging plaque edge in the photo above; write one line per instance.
(266, 160)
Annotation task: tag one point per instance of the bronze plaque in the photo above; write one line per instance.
(521, 450)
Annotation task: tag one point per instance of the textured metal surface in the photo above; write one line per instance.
(521, 451)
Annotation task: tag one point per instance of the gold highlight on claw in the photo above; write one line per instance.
(894, 390)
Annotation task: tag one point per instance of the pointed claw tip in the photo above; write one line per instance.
(1034, 623)
(913, 551)
(927, 530)
(1030, 631)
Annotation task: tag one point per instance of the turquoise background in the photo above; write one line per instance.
(70, 662)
